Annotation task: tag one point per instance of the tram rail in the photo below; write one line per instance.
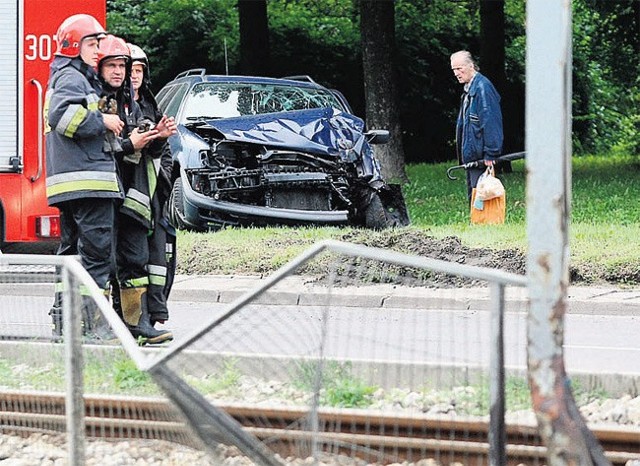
(408, 436)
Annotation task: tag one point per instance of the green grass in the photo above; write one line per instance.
(108, 372)
(245, 251)
(348, 393)
(127, 377)
(474, 399)
(604, 192)
(112, 373)
(105, 372)
(603, 239)
(226, 379)
(341, 388)
(605, 216)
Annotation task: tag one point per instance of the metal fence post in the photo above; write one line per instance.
(74, 402)
(497, 433)
(548, 147)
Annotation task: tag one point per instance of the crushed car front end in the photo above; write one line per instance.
(298, 167)
(261, 151)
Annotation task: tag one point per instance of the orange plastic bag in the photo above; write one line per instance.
(492, 211)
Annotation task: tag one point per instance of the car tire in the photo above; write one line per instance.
(176, 206)
(376, 216)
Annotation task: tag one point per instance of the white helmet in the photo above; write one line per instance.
(138, 57)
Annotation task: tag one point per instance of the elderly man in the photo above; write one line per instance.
(479, 125)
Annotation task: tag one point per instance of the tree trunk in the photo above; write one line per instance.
(377, 32)
(492, 66)
(492, 42)
(254, 37)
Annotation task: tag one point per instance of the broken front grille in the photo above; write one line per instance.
(286, 188)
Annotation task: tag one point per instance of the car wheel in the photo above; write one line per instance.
(378, 215)
(176, 206)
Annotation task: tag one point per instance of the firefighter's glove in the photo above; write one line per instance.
(108, 104)
(144, 125)
(112, 143)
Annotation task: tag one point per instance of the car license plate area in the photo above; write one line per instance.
(300, 199)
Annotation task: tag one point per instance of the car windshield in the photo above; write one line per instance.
(223, 100)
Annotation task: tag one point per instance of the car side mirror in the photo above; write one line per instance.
(377, 136)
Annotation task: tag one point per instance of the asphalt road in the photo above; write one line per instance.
(593, 343)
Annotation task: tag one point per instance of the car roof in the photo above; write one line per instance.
(198, 75)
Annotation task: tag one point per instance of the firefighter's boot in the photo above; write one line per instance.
(95, 327)
(136, 316)
(115, 299)
(56, 318)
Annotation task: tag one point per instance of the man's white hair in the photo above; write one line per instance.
(467, 57)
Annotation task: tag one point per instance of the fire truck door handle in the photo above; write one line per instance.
(40, 131)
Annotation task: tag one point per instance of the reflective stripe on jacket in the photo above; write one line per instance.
(138, 179)
(77, 167)
(137, 202)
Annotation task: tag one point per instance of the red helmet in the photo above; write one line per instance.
(113, 47)
(73, 30)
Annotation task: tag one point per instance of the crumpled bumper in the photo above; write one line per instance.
(203, 212)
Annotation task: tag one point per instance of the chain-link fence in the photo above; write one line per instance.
(61, 386)
(347, 355)
(379, 381)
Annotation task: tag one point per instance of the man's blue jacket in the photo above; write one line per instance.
(479, 125)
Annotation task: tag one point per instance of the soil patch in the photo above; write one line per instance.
(265, 254)
(415, 242)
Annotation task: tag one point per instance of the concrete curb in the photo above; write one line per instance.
(301, 291)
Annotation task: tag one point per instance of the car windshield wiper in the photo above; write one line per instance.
(203, 117)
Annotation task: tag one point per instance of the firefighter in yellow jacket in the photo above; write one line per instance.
(81, 177)
(135, 151)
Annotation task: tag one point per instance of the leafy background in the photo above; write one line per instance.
(322, 39)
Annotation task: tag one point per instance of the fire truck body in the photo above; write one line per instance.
(27, 46)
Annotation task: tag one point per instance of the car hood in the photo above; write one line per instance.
(322, 131)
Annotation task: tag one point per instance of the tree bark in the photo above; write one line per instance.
(492, 42)
(492, 62)
(377, 32)
(254, 38)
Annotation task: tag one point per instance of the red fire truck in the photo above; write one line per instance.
(27, 36)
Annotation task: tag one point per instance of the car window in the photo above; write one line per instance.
(166, 98)
(173, 102)
(223, 100)
(160, 95)
(163, 96)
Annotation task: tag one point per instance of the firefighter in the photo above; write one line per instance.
(81, 178)
(162, 241)
(134, 218)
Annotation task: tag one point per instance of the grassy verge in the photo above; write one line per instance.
(604, 242)
(112, 373)
(116, 374)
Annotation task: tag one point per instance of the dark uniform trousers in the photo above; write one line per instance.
(132, 252)
(87, 229)
(162, 262)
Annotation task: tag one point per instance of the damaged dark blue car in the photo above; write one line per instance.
(263, 151)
